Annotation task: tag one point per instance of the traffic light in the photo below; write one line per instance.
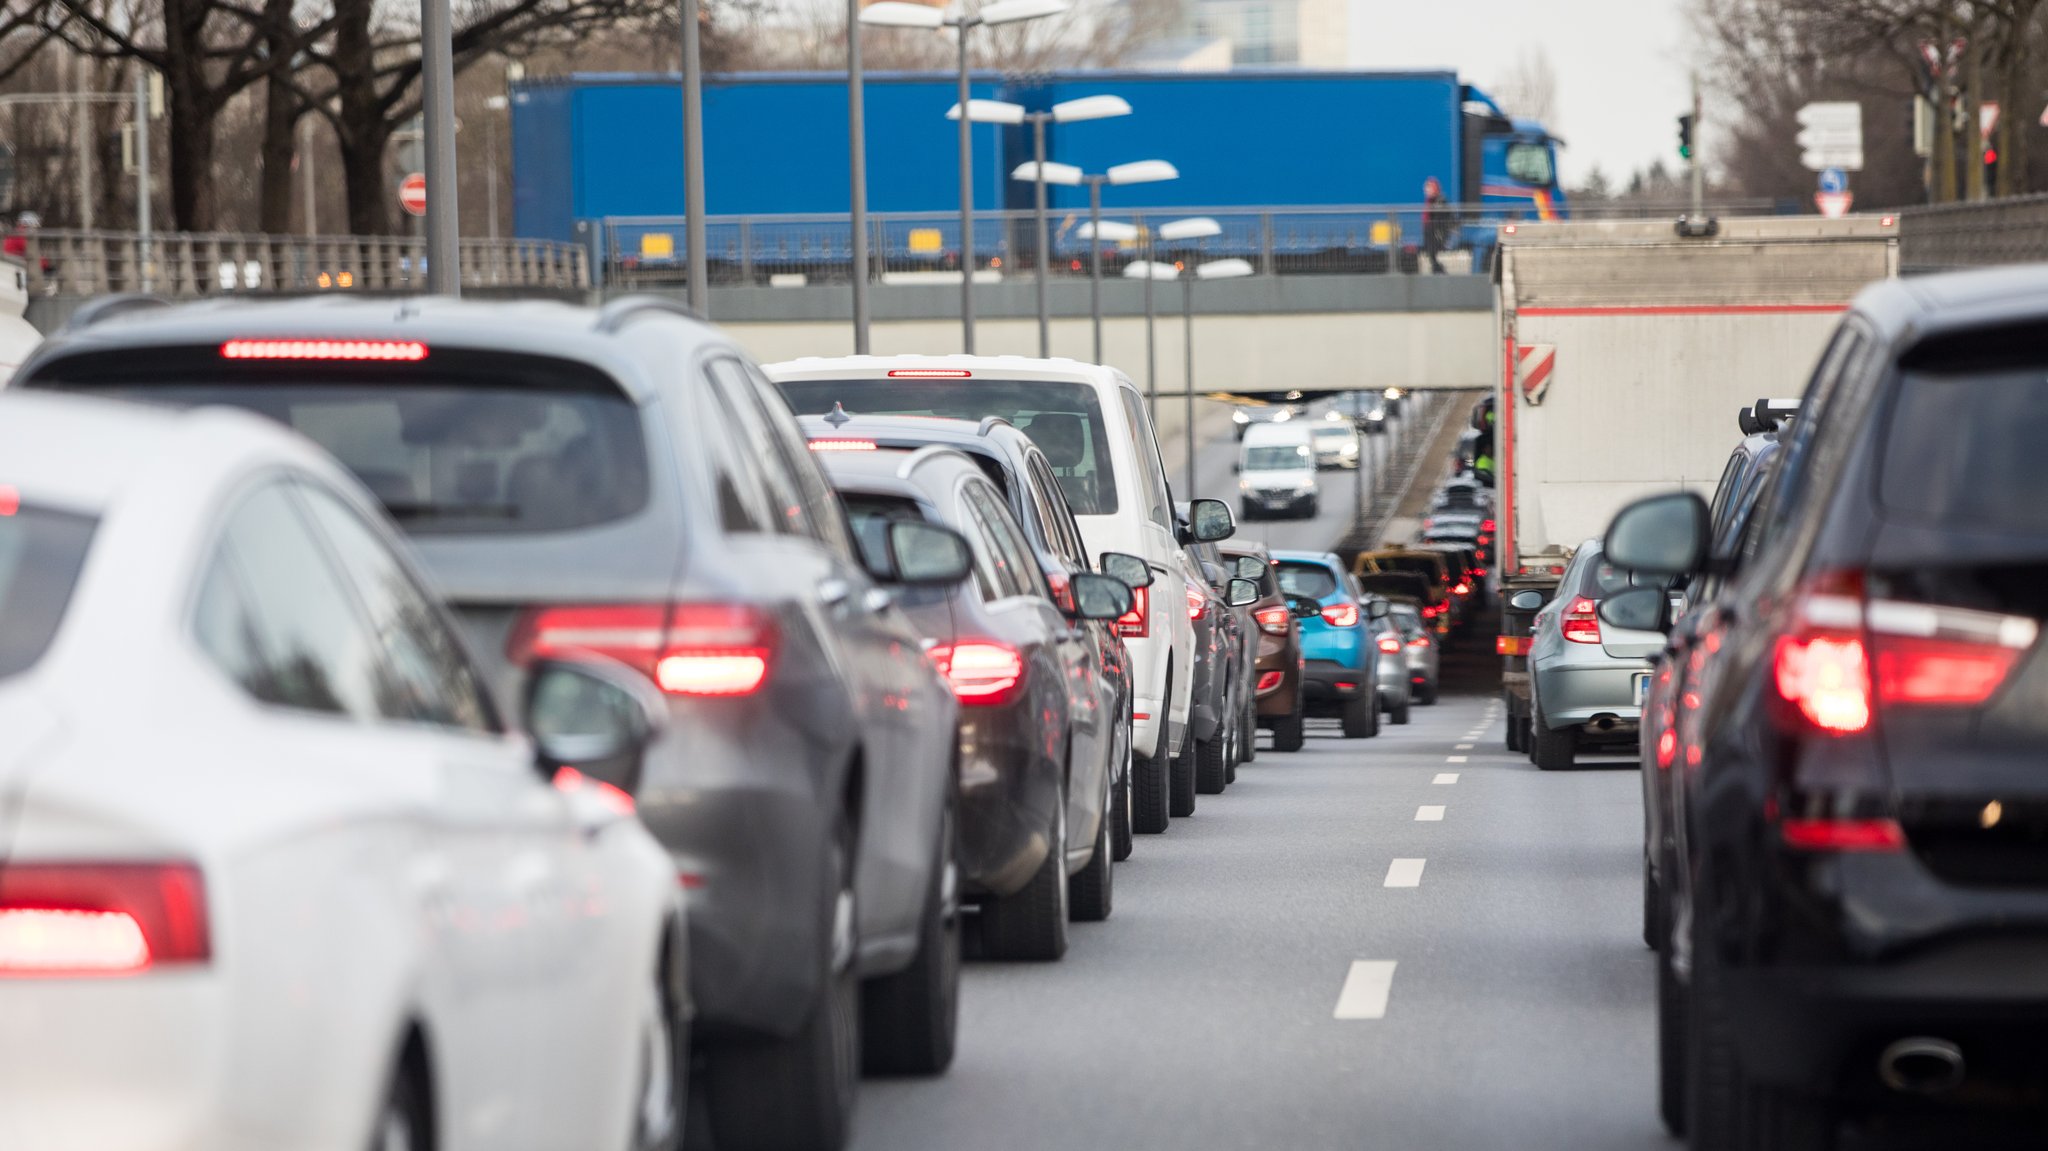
(1685, 137)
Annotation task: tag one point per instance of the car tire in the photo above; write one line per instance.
(797, 1093)
(1212, 765)
(1428, 694)
(1247, 513)
(1362, 716)
(1315, 508)
(1400, 713)
(909, 1020)
(1248, 735)
(1289, 730)
(1553, 749)
(405, 1120)
(1671, 1048)
(1712, 1081)
(1032, 923)
(1513, 738)
(1182, 778)
(1089, 890)
(1151, 792)
(1121, 831)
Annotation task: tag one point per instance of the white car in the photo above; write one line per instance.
(272, 872)
(1090, 422)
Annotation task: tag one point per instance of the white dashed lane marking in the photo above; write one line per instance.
(1456, 758)
(1429, 813)
(1463, 747)
(1405, 873)
(1366, 989)
(1445, 777)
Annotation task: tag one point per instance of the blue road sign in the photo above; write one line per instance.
(1834, 180)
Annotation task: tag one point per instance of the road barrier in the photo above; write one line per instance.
(188, 264)
(1943, 237)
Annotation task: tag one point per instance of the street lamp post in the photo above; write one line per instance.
(696, 262)
(899, 14)
(437, 105)
(1148, 270)
(1214, 270)
(1064, 112)
(857, 174)
(1096, 231)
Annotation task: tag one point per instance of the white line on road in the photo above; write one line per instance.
(1445, 777)
(1405, 873)
(1429, 813)
(1463, 747)
(1366, 989)
(1456, 758)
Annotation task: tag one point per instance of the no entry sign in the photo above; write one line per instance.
(412, 194)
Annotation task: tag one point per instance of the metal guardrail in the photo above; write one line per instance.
(909, 247)
(1984, 234)
(184, 264)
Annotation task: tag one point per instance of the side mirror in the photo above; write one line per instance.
(926, 555)
(1241, 593)
(1660, 535)
(1637, 609)
(1378, 609)
(1134, 572)
(1210, 520)
(1099, 596)
(592, 716)
(1526, 601)
(1249, 567)
(1303, 607)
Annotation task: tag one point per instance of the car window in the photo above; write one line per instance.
(277, 618)
(789, 511)
(823, 514)
(1814, 410)
(1312, 580)
(1020, 575)
(1724, 491)
(1530, 164)
(1964, 448)
(741, 489)
(1152, 472)
(431, 679)
(1062, 417)
(991, 580)
(1277, 458)
(42, 550)
(1061, 532)
(1599, 579)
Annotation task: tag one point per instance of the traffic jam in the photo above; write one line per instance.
(523, 725)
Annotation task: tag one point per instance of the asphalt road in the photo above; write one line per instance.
(1413, 941)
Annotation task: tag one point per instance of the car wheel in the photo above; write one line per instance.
(1428, 694)
(1514, 732)
(799, 1091)
(1553, 749)
(405, 1121)
(1248, 735)
(1089, 890)
(1315, 508)
(1152, 791)
(1184, 777)
(1120, 805)
(1288, 734)
(908, 1020)
(1362, 716)
(1212, 765)
(1247, 513)
(1671, 1044)
(1032, 924)
(1400, 713)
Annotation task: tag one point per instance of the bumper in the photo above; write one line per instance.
(1268, 503)
(1007, 794)
(1572, 693)
(1278, 701)
(1324, 682)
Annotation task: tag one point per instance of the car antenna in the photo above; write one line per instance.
(837, 417)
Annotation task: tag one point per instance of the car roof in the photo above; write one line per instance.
(1912, 308)
(1287, 432)
(1008, 367)
(1327, 559)
(534, 327)
(898, 471)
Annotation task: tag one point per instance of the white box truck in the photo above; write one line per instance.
(1626, 351)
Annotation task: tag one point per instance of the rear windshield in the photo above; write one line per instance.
(1600, 579)
(1276, 458)
(1425, 566)
(41, 552)
(1406, 618)
(1967, 448)
(459, 442)
(1063, 419)
(1312, 580)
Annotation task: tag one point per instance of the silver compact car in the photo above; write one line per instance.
(1396, 694)
(1419, 642)
(1582, 694)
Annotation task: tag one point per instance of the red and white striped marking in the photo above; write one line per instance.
(1533, 365)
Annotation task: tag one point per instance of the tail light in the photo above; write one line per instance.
(1268, 680)
(1419, 641)
(1462, 588)
(828, 445)
(100, 918)
(1431, 611)
(1197, 602)
(1136, 623)
(403, 351)
(1843, 834)
(700, 649)
(981, 672)
(1341, 615)
(1581, 622)
(1847, 654)
(1273, 620)
(1390, 644)
(1511, 645)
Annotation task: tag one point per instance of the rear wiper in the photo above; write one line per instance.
(417, 511)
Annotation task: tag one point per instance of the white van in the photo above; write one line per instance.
(1090, 421)
(1276, 472)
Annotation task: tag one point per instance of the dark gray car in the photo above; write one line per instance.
(624, 481)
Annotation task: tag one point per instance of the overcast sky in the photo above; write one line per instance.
(1622, 65)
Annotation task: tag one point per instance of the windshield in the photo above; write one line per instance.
(1276, 458)
(41, 552)
(1312, 580)
(1064, 419)
(1530, 164)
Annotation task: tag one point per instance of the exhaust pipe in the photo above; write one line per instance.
(1921, 1066)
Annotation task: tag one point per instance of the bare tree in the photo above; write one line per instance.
(1529, 90)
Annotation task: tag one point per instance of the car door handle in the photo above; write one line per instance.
(833, 591)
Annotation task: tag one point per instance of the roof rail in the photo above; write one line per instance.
(106, 307)
(614, 315)
(922, 454)
(988, 422)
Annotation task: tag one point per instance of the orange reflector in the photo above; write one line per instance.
(1511, 645)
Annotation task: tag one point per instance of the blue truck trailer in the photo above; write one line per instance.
(1305, 166)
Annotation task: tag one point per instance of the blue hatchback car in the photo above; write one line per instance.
(1340, 666)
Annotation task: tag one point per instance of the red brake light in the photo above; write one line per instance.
(1268, 680)
(1273, 620)
(1828, 678)
(10, 500)
(981, 672)
(1580, 624)
(1914, 669)
(702, 649)
(389, 350)
(1486, 527)
(568, 779)
(1462, 588)
(930, 374)
(1511, 645)
(842, 445)
(100, 918)
(1843, 834)
(1197, 602)
(1419, 641)
(1389, 644)
(1341, 615)
(1137, 622)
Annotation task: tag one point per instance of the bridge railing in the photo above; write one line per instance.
(912, 247)
(186, 264)
(1940, 237)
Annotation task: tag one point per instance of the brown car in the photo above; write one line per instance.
(1279, 660)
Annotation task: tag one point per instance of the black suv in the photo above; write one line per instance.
(1859, 880)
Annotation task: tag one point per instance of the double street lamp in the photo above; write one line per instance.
(1187, 272)
(1096, 231)
(899, 14)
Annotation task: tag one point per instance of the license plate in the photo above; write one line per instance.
(1642, 687)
